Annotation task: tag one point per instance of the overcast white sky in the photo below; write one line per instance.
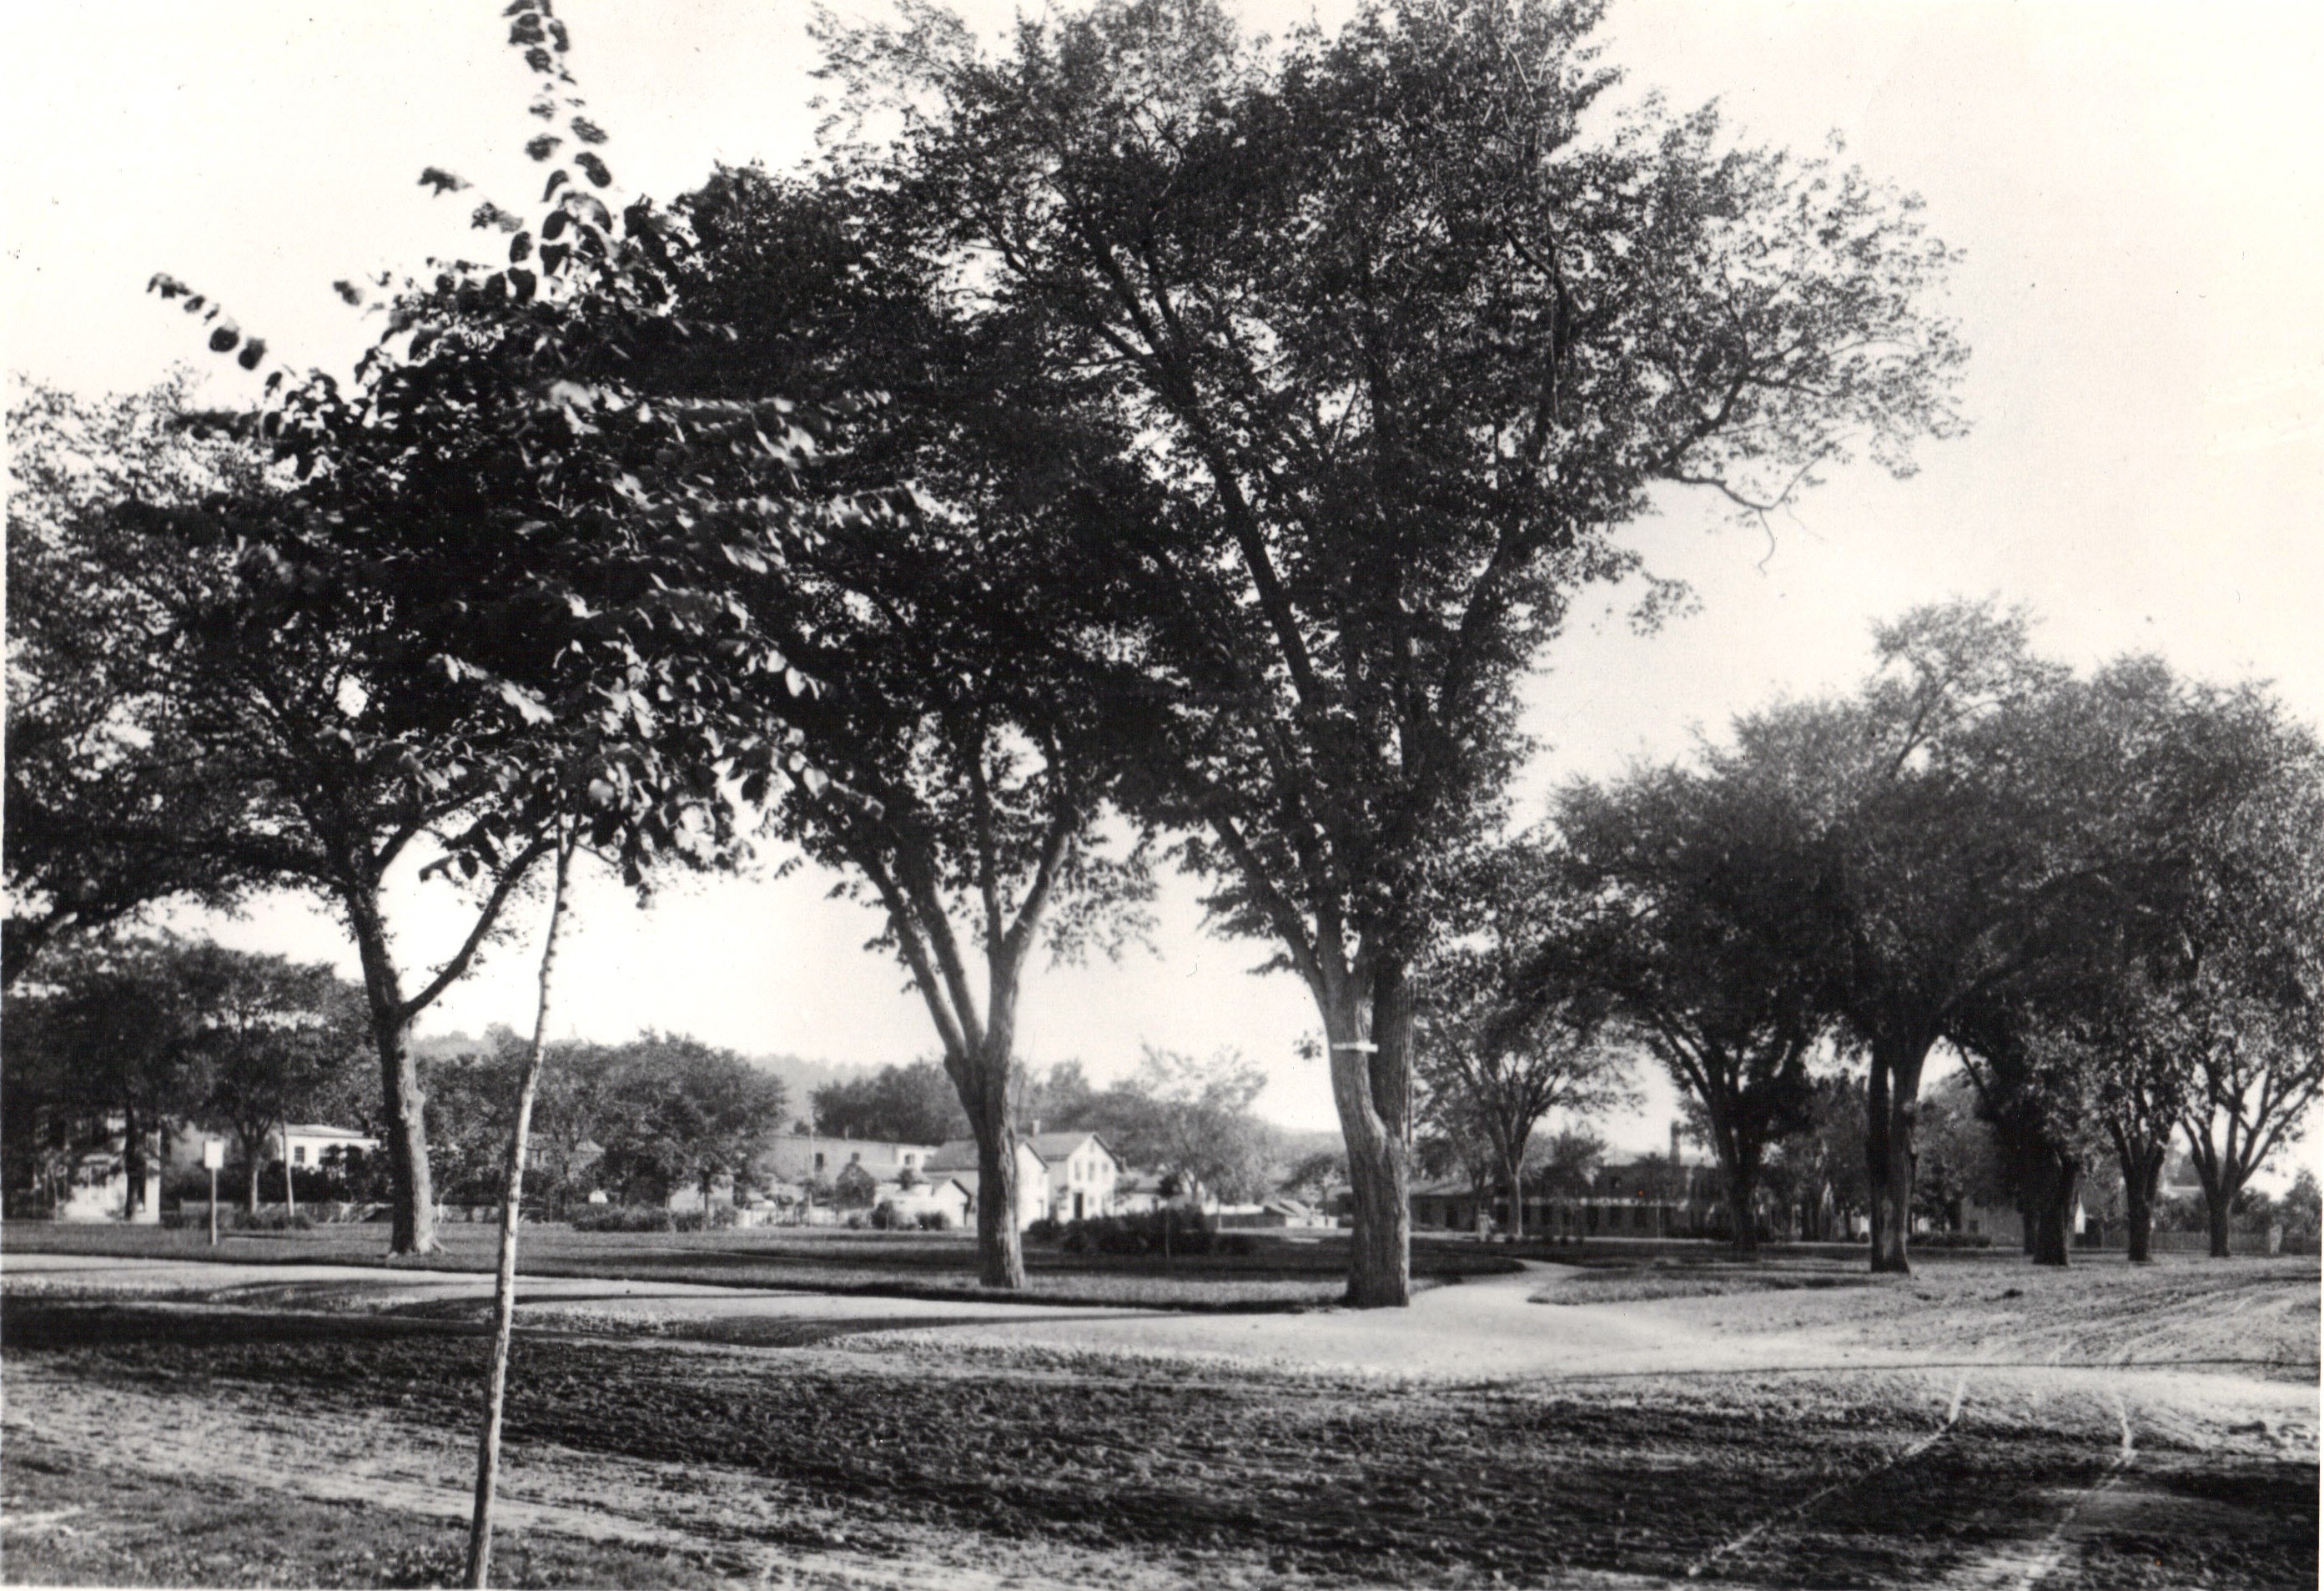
(2139, 191)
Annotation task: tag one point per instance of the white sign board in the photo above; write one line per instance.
(213, 1153)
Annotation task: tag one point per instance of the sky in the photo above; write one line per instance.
(2137, 191)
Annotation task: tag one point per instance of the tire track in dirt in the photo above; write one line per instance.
(2022, 1565)
(1791, 1516)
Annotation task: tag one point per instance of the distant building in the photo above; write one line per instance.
(820, 1157)
(83, 1173)
(1137, 1193)
(1274, 1213)
(302, 1145)
(1082, 1170)
(957, 1159)
(941, 1196)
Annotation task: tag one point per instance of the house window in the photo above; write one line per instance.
(298, 1155)
(818, 1162)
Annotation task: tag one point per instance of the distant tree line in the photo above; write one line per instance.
(121, 1037)
(2102, 895)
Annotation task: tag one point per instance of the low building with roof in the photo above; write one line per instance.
(820, 1157)
(957, 1159)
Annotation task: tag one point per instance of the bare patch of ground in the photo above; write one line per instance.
(2246, 1316)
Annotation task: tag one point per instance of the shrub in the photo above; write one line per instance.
(854, 1222)
(272, 1218)
(935, 1220)
(189, 1182)
(623, 1218)
(886, 1217)
(716, 1218)
(1951, 1240)
(1045, 1230)
(1170, 1230)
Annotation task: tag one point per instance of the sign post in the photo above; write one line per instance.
(213, 1157)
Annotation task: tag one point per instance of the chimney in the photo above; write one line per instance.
(1037, 1126)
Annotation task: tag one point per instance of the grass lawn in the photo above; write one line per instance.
(1280, 1272)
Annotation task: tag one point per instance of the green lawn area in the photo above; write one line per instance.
(1280, 1272)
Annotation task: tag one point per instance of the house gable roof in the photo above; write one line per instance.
(1053, 1147)
(959, 1155)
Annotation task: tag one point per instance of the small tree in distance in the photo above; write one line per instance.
(1511, 1030)
(1695, 934)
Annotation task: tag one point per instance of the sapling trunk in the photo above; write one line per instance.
(488, 1447)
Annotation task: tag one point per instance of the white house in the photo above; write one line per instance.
(1082, 1172)
(301, 1144)
(957, 1161)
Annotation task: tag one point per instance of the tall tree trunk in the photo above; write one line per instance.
(980, 1075)
(2219, 1216)
(2059, 1176)
(999, 1245)
(1892, 1098)
(488, 1445)
(2142, 1176)
(133, 1163)
(1371, 1085)
(1741, 1174)
(1740, 1211)
(257, 1159)
(1513, 1184)
(411, 1189)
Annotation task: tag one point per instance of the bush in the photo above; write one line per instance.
(623, 1218)
(935, 1220)
(269, 1217)
(1951, 1240)
(1044, 1231)
(1170, 1230)
(855, 1221)
(189, 1183)
(886, 1217)
(716, 1218)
